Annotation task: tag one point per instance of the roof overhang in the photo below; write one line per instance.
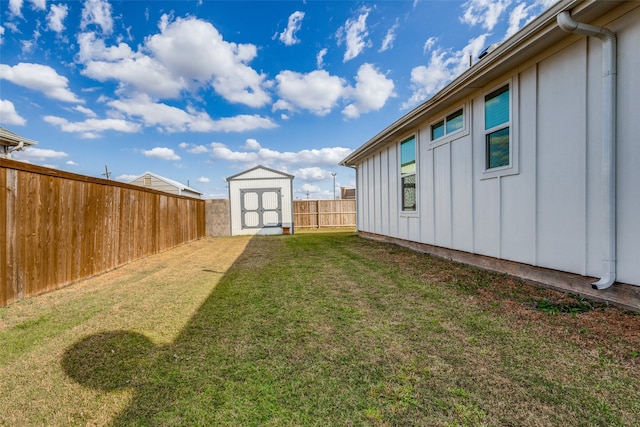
(11, 139)
(535, 37)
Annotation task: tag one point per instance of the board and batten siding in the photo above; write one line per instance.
(548, 213)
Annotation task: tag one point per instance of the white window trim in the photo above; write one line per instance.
(513, 167)
(416, 137)
(450, 137)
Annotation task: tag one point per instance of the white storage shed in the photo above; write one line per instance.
(528, 161)
(261, 202)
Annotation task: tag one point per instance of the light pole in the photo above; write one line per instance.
(333, 174)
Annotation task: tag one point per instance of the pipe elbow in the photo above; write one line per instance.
(605, 282)
(565, 22)
(18, 147)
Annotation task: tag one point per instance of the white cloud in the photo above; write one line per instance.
(162, 153)
(194, 49)
(320, 58)
(317, 91)
(307, 190)
(188, 54)
(1, 35)
(354, 34)
(32, 154)
(312, 174)
(90, 128)
(126, 177)
(428, 45)
(97, 12)
(41, 78)
(131, 69)
(39, 4)
(242, 123)
(86, 111)
(389, 38)
(519, 13)
(57, 15)
(288, 36)
(173, 119)
(15, 7)
(71, 163)
(484, 12)
(371, 92)
(204, 179)
(444, 66)
(283, 160)
(251, 144)
(193, 149)
(9, 115)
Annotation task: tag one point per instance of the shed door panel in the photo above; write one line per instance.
(261, 207)
(250, 201)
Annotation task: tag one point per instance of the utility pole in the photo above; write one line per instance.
(106, 173)
(333, 174)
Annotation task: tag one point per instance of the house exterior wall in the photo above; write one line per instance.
(547, 211)
(156, 184)
(258, 179)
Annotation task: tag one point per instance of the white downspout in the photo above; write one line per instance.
(18, 147)
(609, 90)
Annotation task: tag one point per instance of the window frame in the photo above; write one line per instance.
(402, 176)
(442, 121)
(512, 168)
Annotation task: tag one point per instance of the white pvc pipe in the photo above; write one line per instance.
(609, 118)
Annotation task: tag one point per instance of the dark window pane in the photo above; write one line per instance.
(409, 193)
(498, 148)
(437, 130)
(496, 108)
(454, 121)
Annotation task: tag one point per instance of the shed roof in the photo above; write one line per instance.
(176, 184)
(13, 139)
(532, 39)
(273, 171)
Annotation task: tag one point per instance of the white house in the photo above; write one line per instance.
(157, 182)
(528, 162)
(261, 202)
(10, 142)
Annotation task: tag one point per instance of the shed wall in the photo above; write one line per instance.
(255, 181)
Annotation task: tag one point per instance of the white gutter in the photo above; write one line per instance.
(609, 117)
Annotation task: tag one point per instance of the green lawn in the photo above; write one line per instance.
(314, 329)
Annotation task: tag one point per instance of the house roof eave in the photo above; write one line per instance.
(13, 139)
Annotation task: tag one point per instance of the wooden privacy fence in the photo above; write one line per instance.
(324, 213)
(57, 227)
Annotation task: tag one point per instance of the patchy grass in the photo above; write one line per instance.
(314, 329)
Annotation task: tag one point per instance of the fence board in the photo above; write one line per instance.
(324, 213)
(57, 227)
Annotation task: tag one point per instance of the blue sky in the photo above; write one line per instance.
(198, 91)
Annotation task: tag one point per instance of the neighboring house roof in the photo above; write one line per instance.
(276, 172)
(13, 139)
(532, 39)
(176, 184)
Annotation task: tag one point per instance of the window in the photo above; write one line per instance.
(408, 173)
(497, 122)
(449, 124)
(147, 180)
